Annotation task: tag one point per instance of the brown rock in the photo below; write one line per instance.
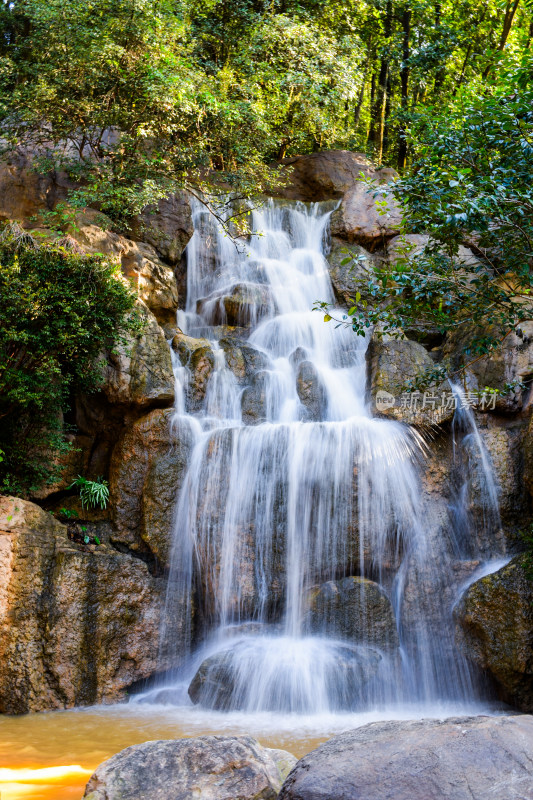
(208, 767)
(327, 175)
(140, 372)
(76, 627)
(355, 609)
(147, 468)
(349, 278)
(25, 192)
(368, 216)
(392, 364)
(311, 391)
(167, 227)
(495, 616)
(198, 356)
(511, 361)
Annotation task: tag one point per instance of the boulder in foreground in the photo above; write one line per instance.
(207, 767)
(469, 758)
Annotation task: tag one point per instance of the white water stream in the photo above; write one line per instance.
(285, 500)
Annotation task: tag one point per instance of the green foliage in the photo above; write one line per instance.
(68, 513)
(471, 182)
(58, 310)
(93, 494)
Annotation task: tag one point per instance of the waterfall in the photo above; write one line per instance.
(301, 545)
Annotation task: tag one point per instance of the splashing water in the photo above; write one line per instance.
(301, 548)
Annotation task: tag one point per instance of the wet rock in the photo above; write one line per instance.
(147, 468)
(392, 364)
(355, 609)
(167, 227)
(78, 625)
(361, 217)
(311, 391)
(326, 175)
(207, 767)
(243, 359)
(495, 616)
(139, 373)
(225, 680)
(504, 461)
(297, 356)
(253, 401)
(198, 356)
(348, 279)
(245, 305)
(468, 758)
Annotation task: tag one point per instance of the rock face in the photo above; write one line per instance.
(327, 175)
(367, 216)
(208, 767)
(511, 362)
(355, 609)
(470, 758)
(392, 363)
(349, 278)
(496, 630)
(198, 357)
(76, 626)
(167, 227)
(147, 469)
(140, 372)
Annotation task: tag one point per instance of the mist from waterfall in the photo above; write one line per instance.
(311, 505)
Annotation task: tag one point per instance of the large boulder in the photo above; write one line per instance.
(244, 304)
(243, 359)
(311, 391)
(368, 216)
(226, 680)
(198, 357)
(355, 609)
(348, 278)
(495, 616)
(469, 758)
(326, 175)
(78, 624)
(139, 372)
(147, 470)
(392, 365)
(208, 767)
(154, 280)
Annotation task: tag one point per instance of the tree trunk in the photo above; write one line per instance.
(404, 82)
(378, 110)
(511, 8)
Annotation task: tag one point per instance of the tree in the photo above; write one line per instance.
(471, 182)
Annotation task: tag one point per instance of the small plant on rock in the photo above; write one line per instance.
(93, 494)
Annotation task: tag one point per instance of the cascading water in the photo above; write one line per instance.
(299, 529)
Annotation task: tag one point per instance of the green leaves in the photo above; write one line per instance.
(58, 311)
(93, 494)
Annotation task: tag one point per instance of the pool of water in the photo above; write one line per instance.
(50, 756)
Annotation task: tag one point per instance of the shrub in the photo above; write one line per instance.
(58, 309)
